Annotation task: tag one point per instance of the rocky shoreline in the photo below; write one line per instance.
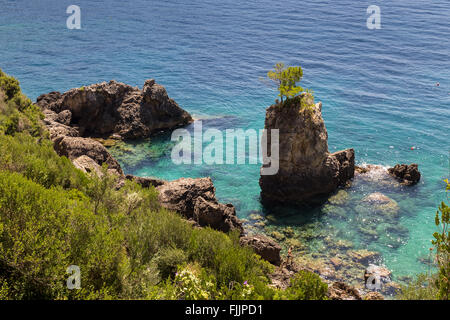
(77, 118)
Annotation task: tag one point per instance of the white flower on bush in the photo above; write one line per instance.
(190, 287)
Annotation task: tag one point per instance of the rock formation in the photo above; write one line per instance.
(406, 174)
(109, 109)
(114, 109)
(307, 170)
(75, 147)
(268, 249)
(195, 199)
(342, 291)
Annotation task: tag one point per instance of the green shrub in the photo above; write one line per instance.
(37, 160)
(306, 286)
(17, 112)
(168, 260)
(422, 288)
(442, 245)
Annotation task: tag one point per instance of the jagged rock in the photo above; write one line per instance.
(281, 277)
(218, 216)
(342, 291)
(180, 195)
(307, 170)
(64, 117)
(75, 147)
(407, 174)
(373, 295)
(268, 249)
(87, 165)
(115, 108)
(195, 199)
(146, 182)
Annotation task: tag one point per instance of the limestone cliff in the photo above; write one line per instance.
(307, 170)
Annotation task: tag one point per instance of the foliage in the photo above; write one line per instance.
(17, 113)
(286, 79)
(306, 286)
(422, 288)
(442, 244)
(36, 160)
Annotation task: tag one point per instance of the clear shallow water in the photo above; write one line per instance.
(377, 87)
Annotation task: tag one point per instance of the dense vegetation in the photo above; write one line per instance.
(53, 216)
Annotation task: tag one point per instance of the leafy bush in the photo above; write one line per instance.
(422, 288)
(169, 259)
(17, 112)
(442, 244)
(37, 160)
(306, 286)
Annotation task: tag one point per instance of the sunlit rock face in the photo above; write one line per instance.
(115, 109)
(307, 170)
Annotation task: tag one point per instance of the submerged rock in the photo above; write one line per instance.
(114, 108)
(363, 256)
(307, 170)
(382, 204)
(407, 174)
(339, 198)
(268, 249)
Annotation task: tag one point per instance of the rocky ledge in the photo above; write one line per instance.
(307, 170)
(112, 109)
(195, 200)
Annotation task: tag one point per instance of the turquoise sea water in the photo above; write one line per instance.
(378, 89)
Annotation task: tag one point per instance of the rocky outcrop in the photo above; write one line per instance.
(373, 295)
(109, 109)
(195, 199)
(342, 291)
(181, 195)
(216, 215)
(406, 174)
(115, 109)
(146, 182)
(307, 170)
(75, 147)
(268, 249)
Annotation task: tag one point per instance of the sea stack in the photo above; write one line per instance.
(307, 170)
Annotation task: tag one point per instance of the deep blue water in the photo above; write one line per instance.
(378, 87)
